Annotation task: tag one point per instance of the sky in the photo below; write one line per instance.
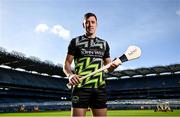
(44, 28)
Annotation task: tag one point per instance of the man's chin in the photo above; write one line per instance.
(90, 33)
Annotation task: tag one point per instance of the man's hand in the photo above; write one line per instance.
(114, 65)
(74, 79)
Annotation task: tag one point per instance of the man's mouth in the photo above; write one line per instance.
(91, 28)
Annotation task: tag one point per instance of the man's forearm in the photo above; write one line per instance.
(67, 69)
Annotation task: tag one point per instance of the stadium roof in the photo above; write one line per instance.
(17, 60)
(157, 70)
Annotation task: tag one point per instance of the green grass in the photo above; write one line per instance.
(111, 113)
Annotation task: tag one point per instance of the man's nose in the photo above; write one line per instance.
(90, 24)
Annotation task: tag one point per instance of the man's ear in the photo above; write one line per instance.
(83, 25)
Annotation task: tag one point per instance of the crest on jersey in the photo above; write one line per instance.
(75, 99)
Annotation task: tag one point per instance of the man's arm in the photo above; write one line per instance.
(112, 67)
(73, 78)
(67, 65)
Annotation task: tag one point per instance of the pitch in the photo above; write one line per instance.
(111, 113)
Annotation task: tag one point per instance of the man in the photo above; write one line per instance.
(89, 54)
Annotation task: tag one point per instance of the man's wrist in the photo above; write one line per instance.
(70, 75)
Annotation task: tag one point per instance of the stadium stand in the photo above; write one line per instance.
(154, 87)
(24, 87)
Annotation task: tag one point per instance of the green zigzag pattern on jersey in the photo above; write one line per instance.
(87, 80)
(95, 81)
(81, 64)
(82, 72)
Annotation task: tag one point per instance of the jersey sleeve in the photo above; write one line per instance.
(71, 47)
(107, 53)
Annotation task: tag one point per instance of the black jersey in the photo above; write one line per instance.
(89, 54)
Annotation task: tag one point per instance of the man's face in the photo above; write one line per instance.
(90, 25)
